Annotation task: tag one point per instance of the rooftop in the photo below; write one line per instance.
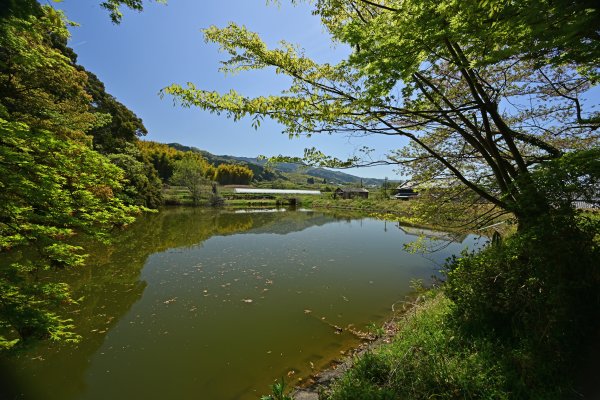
(353, 190)
(274, 191)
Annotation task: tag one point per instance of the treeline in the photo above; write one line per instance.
(165, 159)
(71, 161)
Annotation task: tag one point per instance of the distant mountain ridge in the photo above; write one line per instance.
(277, 171)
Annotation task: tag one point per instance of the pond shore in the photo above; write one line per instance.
(321, 381)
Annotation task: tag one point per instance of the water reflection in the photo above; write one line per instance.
(184, 305)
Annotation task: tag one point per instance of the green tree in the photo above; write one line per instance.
(143, 187)
(560, 32)
(233, 174)
(162, 157)
(25, 8)
(53, 185)
(51, 189)
(39, 85)
(191, 172)
(20, 8)
(124, 126)
(495, 109)
(425, 71)
(117, 134)
(114, 7)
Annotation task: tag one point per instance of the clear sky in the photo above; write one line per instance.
(164, 45)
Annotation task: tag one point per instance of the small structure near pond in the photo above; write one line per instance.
(406, 191)
(351, 193)
(239, 190)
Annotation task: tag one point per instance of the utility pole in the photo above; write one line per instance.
(385, 186)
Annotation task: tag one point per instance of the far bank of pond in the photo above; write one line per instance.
(196, 303)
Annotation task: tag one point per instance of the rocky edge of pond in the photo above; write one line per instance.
(319, 383)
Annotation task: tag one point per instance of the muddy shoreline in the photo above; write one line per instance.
(322, 380)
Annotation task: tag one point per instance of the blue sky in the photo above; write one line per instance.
(164, 45)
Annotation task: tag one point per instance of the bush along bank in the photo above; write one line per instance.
(511, 322)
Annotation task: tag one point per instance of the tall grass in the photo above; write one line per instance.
(427, 359)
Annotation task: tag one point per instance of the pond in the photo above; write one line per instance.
(202, 304)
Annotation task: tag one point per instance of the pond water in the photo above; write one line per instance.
(199, 304)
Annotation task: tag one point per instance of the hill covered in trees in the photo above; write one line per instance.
(263, 171)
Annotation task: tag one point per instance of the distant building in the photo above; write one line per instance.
(590, 204)
(245, 190)
(351, 193)
(405, 191)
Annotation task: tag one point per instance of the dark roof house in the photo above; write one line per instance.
(405, 191)
(350, 193)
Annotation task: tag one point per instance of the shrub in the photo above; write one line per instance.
(216, 201)
(536, 291)
(427, 359)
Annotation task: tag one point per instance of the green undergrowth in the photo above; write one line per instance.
(432, 358)
(427, 359)
(510, 322)
(372, 205)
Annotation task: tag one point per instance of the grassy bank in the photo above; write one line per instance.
(178, 195)
(511, 322)
(371, 205)
(432, 357)
(428, 358)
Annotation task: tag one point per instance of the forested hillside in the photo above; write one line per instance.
(269, 172)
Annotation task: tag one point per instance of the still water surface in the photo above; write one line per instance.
(198, 304)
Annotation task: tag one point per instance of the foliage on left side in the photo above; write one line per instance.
(68, 165)
(51, 189)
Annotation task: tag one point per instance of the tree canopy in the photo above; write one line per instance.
(54, 183)
(39, 85)
(51, 188)
(192, 172)
(114, 7)
(231, 174)
(484, 95)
